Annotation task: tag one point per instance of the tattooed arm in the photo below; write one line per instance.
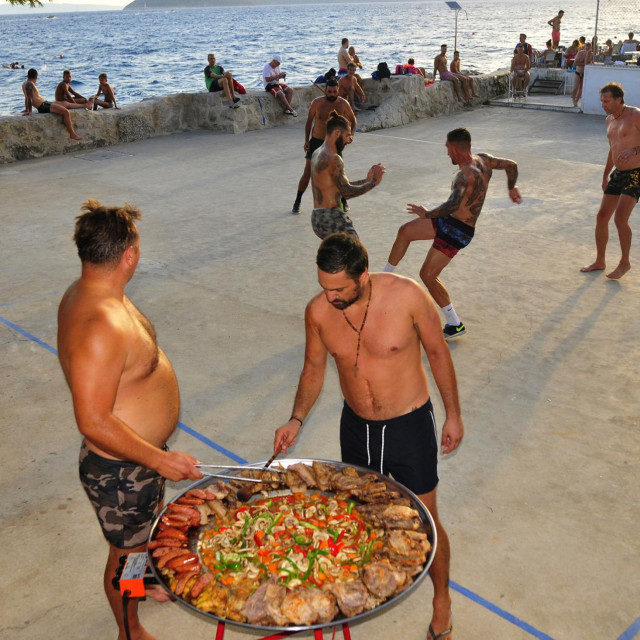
(460, 187)
(352, 189)
(511, 169)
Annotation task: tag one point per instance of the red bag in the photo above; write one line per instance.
(238, 88)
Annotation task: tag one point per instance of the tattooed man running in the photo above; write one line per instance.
(451, 225)
(330, 183)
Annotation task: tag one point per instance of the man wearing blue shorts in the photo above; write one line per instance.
(451, 226)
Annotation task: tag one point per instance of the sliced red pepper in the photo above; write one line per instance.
(340, 536)
(318, 583)
(258, 537)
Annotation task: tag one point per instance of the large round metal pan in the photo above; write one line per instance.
(428, 526)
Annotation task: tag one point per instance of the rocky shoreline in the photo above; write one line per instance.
(400, 100)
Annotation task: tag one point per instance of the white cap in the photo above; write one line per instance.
(278, 58)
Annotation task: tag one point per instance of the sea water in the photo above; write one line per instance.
(154, 53)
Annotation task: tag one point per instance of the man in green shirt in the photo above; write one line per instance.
(217, 79)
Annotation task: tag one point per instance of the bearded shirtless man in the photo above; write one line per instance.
(315, 130)
(451, 226)
(387, 421)
(32, 98)
(622, 187)
(330, 183)
(124, 390)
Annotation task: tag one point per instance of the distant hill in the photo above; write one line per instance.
(52, 8)
(138, 5)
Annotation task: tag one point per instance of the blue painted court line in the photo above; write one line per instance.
(629, 634)
(26, 334)
(211, 443)
(500, 612)
(632, 631)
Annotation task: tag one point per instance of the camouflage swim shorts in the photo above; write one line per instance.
(331, 220)
(124, 495)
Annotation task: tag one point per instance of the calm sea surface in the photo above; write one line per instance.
(152, 53)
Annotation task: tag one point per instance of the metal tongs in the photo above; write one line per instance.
(231, 477)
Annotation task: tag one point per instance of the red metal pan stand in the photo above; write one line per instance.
(317, 633)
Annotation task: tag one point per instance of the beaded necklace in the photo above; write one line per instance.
(359, 332)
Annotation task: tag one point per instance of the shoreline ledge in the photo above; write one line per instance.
(400, 100)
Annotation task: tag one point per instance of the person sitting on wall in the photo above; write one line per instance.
(467, 81)
(410, 68)
(66, 93)
(349, 87)
(106, 90)
(271, 76)
(570, 54)
(217, 79)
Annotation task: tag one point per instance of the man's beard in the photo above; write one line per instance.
(343, 304)
(340, 144)
(332, 98)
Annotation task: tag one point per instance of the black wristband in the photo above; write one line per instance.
(295, 418)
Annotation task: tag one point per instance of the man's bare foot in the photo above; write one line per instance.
(90, 104)
(596, 266)
(158, 594)
(75, 136)
(619, 271)
(138, 632)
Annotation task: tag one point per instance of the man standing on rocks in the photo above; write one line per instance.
(271, 76)
(375, 326)
(330, 183)
(124, 391)
(622, 187)
(451, 226)
(315, 130)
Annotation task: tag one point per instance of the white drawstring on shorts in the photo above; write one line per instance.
(381, 449)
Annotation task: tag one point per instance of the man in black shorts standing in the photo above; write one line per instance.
(451, 225)
(622, 187)
(315, 130)
(387, 420)
(124, 391)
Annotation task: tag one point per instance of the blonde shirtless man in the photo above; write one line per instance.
(330, 183)
(583, 58)
(124, 391)
(387, 421)
(32, 98)
(452, 225)
(315, 130)
(622, 187)
(349, 87)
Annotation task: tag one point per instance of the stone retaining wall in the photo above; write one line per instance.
(400, 100)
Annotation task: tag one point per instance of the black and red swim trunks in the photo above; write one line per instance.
(624, 183)
(451, 235)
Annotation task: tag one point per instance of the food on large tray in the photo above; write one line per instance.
(337, 541)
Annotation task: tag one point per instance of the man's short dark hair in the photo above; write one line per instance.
(412, 61)
(345, 40)
(103, 234)
(342, 252)
(523, 35)
(443, 45)
(561, 11)
(454, 53)
(351, 64)
(65, 72)
(32, 73)
(332, 82)
(459, 136)
(336, 121)
(614, 89)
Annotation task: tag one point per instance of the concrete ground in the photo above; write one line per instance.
(541, 500)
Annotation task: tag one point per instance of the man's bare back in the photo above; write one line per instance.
(143, 391)
(390, 380)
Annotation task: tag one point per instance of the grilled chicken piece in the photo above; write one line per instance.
(372, 512)
(369, 489)
(323, 473)
(263, 606)
(399, 517)
(351, 596)
(217, 508)
(215, 602)
(294, 482)
(408, 547)
(383, 579)
(323, 603)
(341, 481)
(305, 472)
(386, 497)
